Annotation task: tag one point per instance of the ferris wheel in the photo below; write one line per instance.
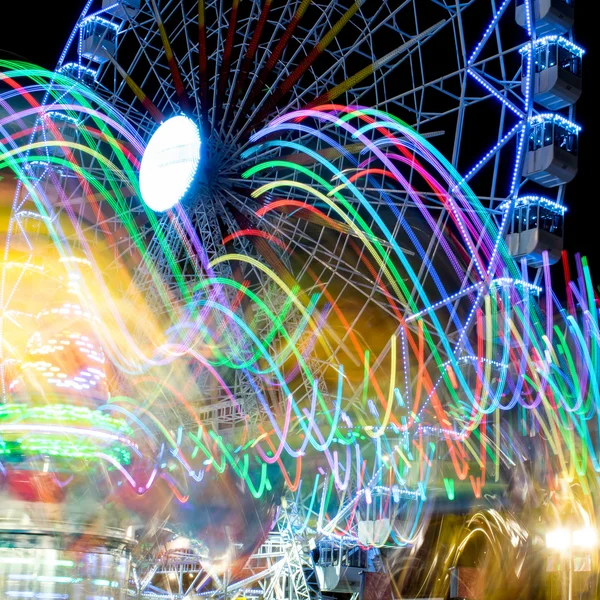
(475, 78)
(467, 77)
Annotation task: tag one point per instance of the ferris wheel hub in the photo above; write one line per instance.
(170, 163)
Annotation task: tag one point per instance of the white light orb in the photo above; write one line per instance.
(559, 539)
(170, 163)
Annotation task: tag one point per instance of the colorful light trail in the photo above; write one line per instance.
(429, 394)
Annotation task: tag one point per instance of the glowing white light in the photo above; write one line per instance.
(558, 539)
(563, 539)
(585, 538)
(170, 163)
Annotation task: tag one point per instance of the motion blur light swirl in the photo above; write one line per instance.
(371, 411)
(170, 163)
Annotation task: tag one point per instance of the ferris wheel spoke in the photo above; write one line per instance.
(226, 61)
(182, 96)
(364, 36)
(333, 93)
(233, 227)
(287, 84)
(251, 50)
(266, 63)
(274, 60)
(150, 66)
(216, 29)
(334, 265)
(203, 68)
(232, 98)
(154, 112)
(190, 78)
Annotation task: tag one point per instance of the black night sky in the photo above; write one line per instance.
(36, 32)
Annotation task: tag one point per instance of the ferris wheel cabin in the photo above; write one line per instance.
(551, 157)
(556, 65)
(123, 9)
(536, 227)
(58, 130)
(98, 39)
(77, 71)
(339, 568)
(549, 16)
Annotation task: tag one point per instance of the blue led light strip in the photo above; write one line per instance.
(490, 154)
(500, 282)
(548, 39)
(488, 32)
(535, 201)
(495, 93)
